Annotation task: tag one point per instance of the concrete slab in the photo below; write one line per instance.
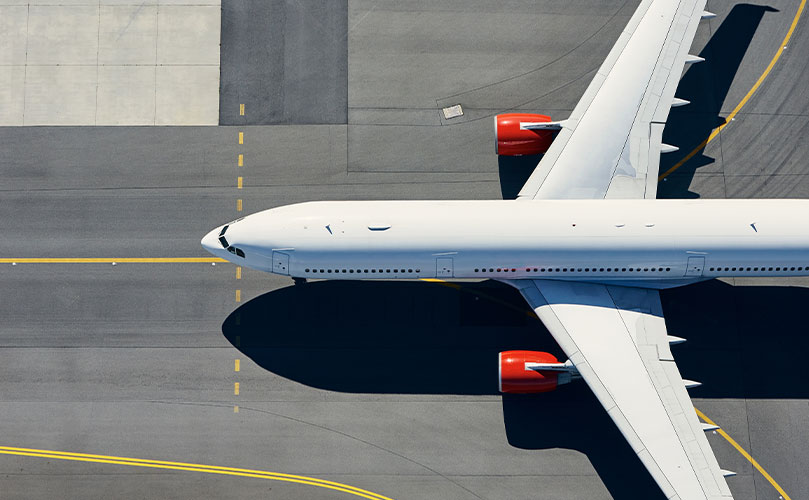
(78, 56)
(13, 25)
(60, 34)
(187, 95)
(286, 62)
(188, 35)
(128, 35)
(12, 95)
(60, 95)
(126, 95)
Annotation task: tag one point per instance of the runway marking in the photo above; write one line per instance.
(236, 365)
(183, 466)
(239, 205)
(744, 100)
(240, 161)
(241, 109)
(238, 295)
(241, 138)
(239, 183)
(236, 409)
(745, 455)
(110, 260)
(235, 388)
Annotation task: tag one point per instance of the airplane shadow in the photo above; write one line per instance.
(706, 85)
(428, 338)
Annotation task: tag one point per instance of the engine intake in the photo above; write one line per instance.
(521, 372)
(515, 137)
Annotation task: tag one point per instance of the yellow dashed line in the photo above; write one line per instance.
(237, 365)
(236, 409)
(241, 138)
(208, 469)
(240, 160)
(111, 260)
(745, 455)
(238, 272)
(746, 98)
(238, 295)
(235, 388)
(239, 205)
(239, 183)
(241, 109)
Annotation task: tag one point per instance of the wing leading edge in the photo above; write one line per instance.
(610, 145)
(616, 338)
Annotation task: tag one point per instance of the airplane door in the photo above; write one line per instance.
(443, 267)
(695, 266)
(280, 263)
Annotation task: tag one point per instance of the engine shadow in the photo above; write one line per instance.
(706, 86)
(514, 171)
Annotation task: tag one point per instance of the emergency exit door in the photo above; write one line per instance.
(443, 267)
(695, 266)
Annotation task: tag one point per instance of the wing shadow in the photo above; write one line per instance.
(706, 85)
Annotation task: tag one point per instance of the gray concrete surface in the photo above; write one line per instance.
(286, 61)
(358, 382)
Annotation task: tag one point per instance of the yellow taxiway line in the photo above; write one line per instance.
(744, 100)
(112, 260)
(745, 455)
(209, 469)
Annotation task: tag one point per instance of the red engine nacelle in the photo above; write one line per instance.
(513, 140)
(516, 379)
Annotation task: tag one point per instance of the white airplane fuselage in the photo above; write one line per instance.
(653, 243)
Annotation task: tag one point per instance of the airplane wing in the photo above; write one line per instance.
(610, 145)
(616, 338)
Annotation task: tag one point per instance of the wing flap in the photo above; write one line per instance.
(616, 337)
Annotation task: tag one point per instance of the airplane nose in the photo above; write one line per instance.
(210, 241)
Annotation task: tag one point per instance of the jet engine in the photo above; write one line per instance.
(526, 372)
(520, 134)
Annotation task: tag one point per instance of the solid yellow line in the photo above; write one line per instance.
(745, 455)
(241, 156)
(241, 109)
(239, 183)
(108, 260)
(210, 469)
(241, 137)
(746, 98)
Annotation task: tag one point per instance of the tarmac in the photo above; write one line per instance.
(385, 386)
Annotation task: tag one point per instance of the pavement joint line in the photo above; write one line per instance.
(110, 260)
(746, 455)
(209, 469)
(753, 89)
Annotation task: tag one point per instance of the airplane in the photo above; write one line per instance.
(586, 243)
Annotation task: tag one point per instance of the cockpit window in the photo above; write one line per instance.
(224, 228)
(223, 241)
(236, 251)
